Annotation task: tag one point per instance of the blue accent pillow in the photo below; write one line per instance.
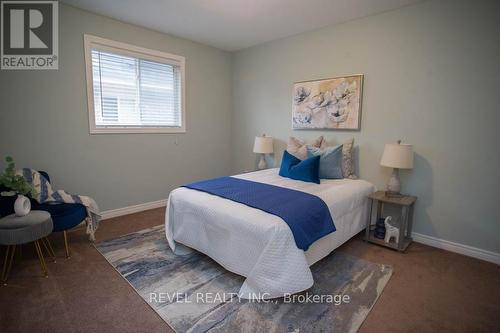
(287, 161)
(306, 170)
(330, 163)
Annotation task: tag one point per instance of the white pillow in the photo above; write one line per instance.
(298, 147)
(348, 159)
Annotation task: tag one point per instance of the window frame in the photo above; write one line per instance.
(125, 49)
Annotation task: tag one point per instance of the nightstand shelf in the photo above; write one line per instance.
(406, 203)
(392, 245)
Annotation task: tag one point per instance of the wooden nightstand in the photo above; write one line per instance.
(406, 203)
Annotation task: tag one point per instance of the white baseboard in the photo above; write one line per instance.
(457, 248)
(107, 214)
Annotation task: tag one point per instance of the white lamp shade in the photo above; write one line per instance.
(263, 145)
(397, 156)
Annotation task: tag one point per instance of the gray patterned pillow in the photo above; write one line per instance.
(298, 148)
(347, 159)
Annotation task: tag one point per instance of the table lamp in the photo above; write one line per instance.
(396, 156)
(263, 145)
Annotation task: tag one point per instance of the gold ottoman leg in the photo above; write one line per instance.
(7, 265)
(40, 257)
(48, 247)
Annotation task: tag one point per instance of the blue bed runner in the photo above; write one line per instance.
(307, 215)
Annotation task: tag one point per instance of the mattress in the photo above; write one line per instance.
(259, 245)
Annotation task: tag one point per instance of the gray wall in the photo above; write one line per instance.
(432, 78)
(44, 120)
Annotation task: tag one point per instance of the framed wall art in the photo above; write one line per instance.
(332, 104)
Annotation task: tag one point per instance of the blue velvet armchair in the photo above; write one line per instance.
(64, 215)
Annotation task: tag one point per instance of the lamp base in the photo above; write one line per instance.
(262, 163)
(394, 184)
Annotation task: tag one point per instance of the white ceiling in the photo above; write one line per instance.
(236, 24)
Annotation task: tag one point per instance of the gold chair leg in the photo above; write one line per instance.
(4, 269)
(66, 244)
(9, 256)
(48, 247)
(40, 257)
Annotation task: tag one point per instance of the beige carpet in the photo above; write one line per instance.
(430, 290)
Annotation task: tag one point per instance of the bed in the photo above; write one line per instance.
(258, 245)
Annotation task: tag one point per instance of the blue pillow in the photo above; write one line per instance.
(306, 170)
(330, 163)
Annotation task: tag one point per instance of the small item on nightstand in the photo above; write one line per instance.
(396, 156)
(380, 229)
(390, 231)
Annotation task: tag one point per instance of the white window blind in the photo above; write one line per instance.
(134, 90)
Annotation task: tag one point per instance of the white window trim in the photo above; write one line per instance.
(91, 41)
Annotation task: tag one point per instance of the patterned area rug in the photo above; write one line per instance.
(193, 293)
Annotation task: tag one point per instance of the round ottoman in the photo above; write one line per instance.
(14, 230)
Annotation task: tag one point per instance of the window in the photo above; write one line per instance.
(132, 89)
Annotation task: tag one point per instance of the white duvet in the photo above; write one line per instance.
(259, 245)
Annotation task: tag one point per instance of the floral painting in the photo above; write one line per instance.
(328, 104)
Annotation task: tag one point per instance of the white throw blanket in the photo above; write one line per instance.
(45, 194)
